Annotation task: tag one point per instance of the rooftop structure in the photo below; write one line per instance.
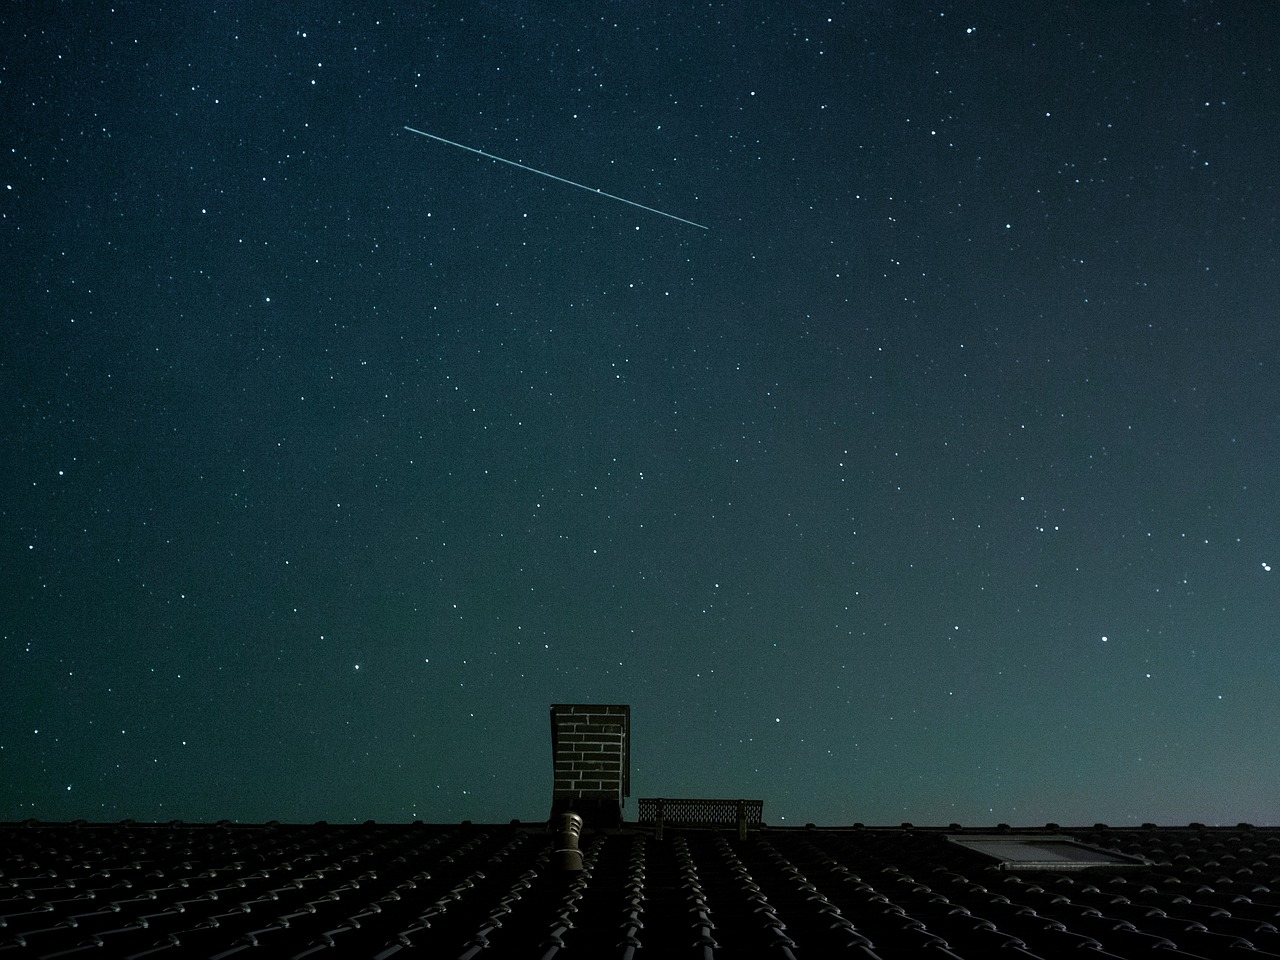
(499, 891)
(689, 878)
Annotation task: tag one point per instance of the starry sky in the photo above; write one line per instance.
(936, 480)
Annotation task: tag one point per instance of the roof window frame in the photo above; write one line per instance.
(1071, 854)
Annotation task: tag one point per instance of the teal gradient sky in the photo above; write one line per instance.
(937, 480)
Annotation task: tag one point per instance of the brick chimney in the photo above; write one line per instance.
(591, 756)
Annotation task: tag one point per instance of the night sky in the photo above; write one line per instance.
(937, 480)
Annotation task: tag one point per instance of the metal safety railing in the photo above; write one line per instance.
(683, 812)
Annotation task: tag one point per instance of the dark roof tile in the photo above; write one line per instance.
(475, 891)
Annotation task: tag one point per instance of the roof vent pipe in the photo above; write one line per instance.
(568, 857)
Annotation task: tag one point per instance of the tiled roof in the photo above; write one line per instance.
(477, 891)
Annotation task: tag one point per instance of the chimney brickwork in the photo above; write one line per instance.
(591, 755)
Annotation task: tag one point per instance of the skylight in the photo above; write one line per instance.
(1028, 852)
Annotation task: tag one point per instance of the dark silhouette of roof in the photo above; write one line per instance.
(497, 891)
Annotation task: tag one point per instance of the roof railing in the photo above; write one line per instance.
(685, 812)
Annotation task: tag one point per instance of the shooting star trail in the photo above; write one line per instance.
(543, 173)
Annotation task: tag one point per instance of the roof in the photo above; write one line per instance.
(493, 891)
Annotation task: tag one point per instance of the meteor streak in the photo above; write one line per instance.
(543, 173)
